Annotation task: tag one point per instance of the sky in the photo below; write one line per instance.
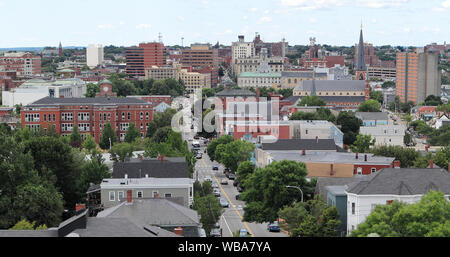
(130, 22)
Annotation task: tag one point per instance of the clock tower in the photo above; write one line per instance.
(105, 89)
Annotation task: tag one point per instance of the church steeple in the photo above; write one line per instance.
(361, 69)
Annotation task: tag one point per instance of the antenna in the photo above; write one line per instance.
(182, 38)
(159, 37)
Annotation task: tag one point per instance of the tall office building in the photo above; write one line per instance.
(144, 56)
(94, 55)
(417, 75)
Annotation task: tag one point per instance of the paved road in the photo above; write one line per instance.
(231, 219)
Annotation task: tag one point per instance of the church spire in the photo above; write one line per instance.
(361, 64)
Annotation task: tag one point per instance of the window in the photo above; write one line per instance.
(129, 116)
(155, 194)
(140, 194)
(353, 208)
(389, 201)
(169, 195)
(119, 195)
(373, 170)
(359, 170)
(54, 117)
(112, 195)
(45, 117)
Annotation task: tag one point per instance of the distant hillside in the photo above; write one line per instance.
(35, 49)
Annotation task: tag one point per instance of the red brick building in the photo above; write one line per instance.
(90, 115)
(203, 59)
(153, 99)
(144, 56)
(24, 64)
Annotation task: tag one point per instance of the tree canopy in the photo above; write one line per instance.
(370, 106)
(311, 101)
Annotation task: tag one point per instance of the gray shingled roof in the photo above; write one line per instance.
(323, 182)
(332, 85)
(112, 227)
(300, 144)
(168, 168)
(403, 181)
(236, 92)
(350, 99)
(87, 101)
(372, 115)
(157, 212)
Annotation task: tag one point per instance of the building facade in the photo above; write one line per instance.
(385, 134)
(90, 115)
(25, 65)
(144, 56)
(94, 55)
(417, 76)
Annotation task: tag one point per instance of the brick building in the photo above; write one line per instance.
(24, 64)
(203, 59)
(144, 56)
(90, 115)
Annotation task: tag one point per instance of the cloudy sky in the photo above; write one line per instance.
(335, 22)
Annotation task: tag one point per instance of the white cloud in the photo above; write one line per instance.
(254, 9)
(444, 6)
(143, 26)
(245, 18)
(105, 26)
(374, 20)
(381, 3)
(312, 20)
(266, 12)
(306, 5)
(180, 18)
(121, 23)
(264, 19)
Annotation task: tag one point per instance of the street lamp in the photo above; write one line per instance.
(298, 189)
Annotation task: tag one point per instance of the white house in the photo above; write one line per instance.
(443, 120)
(385, 134)
(389, 184)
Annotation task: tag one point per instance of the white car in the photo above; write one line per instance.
(208, 178)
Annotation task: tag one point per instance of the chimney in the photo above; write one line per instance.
(178, 231)
(365, 157)
(331, 170)
(397, 164)
(129, 196)
(141, 157)
(431, 164)
(303, 152)
(317, 139)
(258, 92)
(356, 155)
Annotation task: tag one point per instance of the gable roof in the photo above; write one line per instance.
(403, 181)
(88, 101)
(331, 85)
(168, 168)
(300, 144)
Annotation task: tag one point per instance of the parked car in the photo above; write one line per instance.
(192, 126)
(238, 197)
(217, 225)
(215, 167)
(224, 182)
(224, 202)
(216, 232)
(216, 192)
(227, 174)
(243, 232)
(199, 156)
(208, 178)
(231, 176)
(235, 182)
(273, 227)
(214, 185)
(239, 189)
(196, 137)
(226, 170)
(202, 232)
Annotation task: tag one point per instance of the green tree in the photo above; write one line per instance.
(121, 151)
(433, 100)
(377, 95)
(362, 143)
(209, 209)
(109, 137)
(310, 219)
(94, 171)
(388, 84)
(75, 138)
(349, 126)
(92, 89)
(430, 217)
(370, 106)
(89, 143)
(312, 101)
(211, 149)
(233, 153)
(406, 156)
(132, 133)
(244, 170)
(444, 108)
(442, 157)
(26, 225)
(266, 193)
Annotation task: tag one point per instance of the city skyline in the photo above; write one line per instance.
(335, 22)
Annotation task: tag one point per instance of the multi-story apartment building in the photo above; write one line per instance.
(144, 56)
(161, 73)
(94, 55)
(24, 64)
(252, 64)
(90, 115)
(417, 75)
(203, 59)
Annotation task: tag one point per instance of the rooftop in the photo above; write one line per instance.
(403, 181)
(168, 168)
(88, 101)
(300, 144)
(331, 85)
(302, 74)
(236, 92)
(259, 75)
(372, 115)
(145, 182)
